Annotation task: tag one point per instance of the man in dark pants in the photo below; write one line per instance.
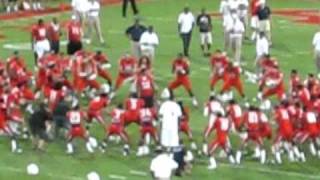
(59, 117)
(133, 6)
(54, 33)
(186, 23)
(39, 123)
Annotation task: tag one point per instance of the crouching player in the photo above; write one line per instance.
(148, 117)
(184, 124)
(222, 126)
(75, 117)
(251, 123)
(116, 128)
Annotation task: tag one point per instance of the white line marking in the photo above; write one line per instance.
(114, 176)
(139, 173)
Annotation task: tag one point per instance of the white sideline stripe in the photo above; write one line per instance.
(139, 173)
(114, 176)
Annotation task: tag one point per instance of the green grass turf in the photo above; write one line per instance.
(289, 38)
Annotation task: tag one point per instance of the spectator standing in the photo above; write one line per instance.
(186, 22)
(236, 30)
(94, 20)
(226, 18)
(205, 28)
(264, 16)
(134, 33)
(316, 45)
(148, 42)
(54, 33)
(80, 10)
(262, 47)
(133, 6)
(243, 6)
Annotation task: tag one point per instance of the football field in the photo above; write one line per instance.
(294, 23)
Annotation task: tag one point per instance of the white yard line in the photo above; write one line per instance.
(138, 173)
(114, 176)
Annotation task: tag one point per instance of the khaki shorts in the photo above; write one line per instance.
(205, 38)
(264, 26)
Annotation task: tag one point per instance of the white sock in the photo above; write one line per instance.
(89, 147)
(140, 151)
(296, 152)
(205, 148)
(303, 157)
(194, 146)
(148, 138)
(291, 156)
(146, 150)
(69, 148)
(319, 153)
(257, 152)
(13, 145)
(312, 149)
(238, 157)
(231, 159)
(263, 156)
(212, 163)
(278, 157)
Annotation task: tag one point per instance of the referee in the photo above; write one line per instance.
(186, 22)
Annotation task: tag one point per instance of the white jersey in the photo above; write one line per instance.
(149, 40)
(80, 5)
(94, 9)
(211, 110)
(243, 6)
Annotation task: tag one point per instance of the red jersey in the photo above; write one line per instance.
(74, 32)
(54, 97)
(222, 126)
(304, 97)
(283, 119)
(117, 116)
(75, 118)
(145, 85)
(251, 120)
(100, 59)
(218, 64)
(98, 103)
(180, 67)
(254, 7)
(39, 32)
(147, 116)
(134, 104)
(268, 63)
(232, 73)
(272, 78)
(127, 66)
(54, 32)
(235, 113)
(310, 123)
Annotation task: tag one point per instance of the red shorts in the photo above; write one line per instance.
(266, 131)
(145, 129)
(254, 136)
(181, 81)
(95, 115)
(214, 79)
(115, 129)
(286, 134)
(77, 131)
(184, 127)
(131, 117)
(237, 122)
(120, 79)
(279, 91)
(16, 115)
(220, 141)
(104, 74)
(236, 83)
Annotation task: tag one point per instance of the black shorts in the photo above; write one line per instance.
(73, 47)
(55, 46)
(149, 101)
(60, 122)
(39, 133)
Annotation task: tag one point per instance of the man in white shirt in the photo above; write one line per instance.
(94, 20)
(170, 114)
(80, 10)
(235, 28)
(162, 166)
(316, 45)
(243, 6)
(186, 22)
(262, 47)
(148, 42)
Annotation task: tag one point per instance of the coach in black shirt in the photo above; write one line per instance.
(264, 15)
(205, 27)
(38, 122)
(134, 33)
(59, 116)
